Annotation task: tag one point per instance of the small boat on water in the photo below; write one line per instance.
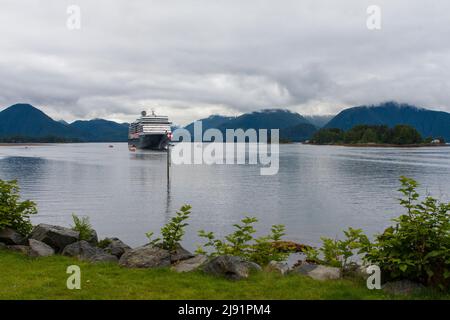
(151, 132)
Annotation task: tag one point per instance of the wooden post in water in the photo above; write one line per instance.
(168, 164)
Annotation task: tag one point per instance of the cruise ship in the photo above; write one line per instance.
(150, 132)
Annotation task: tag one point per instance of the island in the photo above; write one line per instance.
(375, 136)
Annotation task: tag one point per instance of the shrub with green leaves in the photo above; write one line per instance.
(103, 244)
(417, 247)
(263, 250)
(338, 253)
(172, 233)
(83, 226)
(15, 214)
(242, 243)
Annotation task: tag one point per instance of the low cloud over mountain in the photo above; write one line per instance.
(190, 59)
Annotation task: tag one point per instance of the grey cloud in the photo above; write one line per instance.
(192, 58)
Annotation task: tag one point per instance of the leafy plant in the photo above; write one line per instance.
(172, 233)
(236, 243)
(338, 253)
(242, 243)
(312, 255)
(264, 250)
(417, 247)
(15, 214)
(103, 244)
(83, 226)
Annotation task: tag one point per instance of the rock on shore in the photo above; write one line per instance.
(231, 267)
(180, 254)
(11, 237)
(55, 236)
(116, 247)
(83, 250)
(278, 267)
(191, 264)
(145, 257)
(39, 249)
(318, 272)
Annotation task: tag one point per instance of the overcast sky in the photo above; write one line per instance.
(192, 58)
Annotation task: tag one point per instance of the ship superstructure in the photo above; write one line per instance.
(150, 132)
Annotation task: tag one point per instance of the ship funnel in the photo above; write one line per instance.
(143, 113)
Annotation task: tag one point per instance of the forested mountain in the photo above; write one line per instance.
(293, 126)
(25, 123)
(428, 122)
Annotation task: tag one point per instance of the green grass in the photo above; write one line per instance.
(22, 277)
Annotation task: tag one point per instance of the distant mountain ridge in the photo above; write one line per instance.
(292, 125)
(212, 122)
(429, 123)
(319, 120)
(100, 130)
(25, 122)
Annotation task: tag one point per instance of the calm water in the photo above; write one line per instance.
(318, 190)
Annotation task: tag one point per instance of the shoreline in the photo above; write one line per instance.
(380, 145)
(24, 144)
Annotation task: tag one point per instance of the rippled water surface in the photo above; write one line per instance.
(318, 190)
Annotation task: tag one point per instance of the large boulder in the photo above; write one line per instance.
(403, 287)
(277, 267)
(55, 236)
(180, 254)
(116, 247)
(191, 264)
(11, 237)
(318, 272)
(103, 257)
(39, 249)
(83, 250)
(231, 267)
(147, 256)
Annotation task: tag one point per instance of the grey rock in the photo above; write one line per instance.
(55, 236)
(145, 257)
(180, 254)
(11, 237)
(278, 267)
(2, 246)
(39, 249)
(191, 264)
(116, 247)
(231, 267)
(83, 250)
(319, 272)
(103, 257)
(93, 238)
(19, 248)
(79, 249)
(404, 287)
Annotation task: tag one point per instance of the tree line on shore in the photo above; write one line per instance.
(373, 134)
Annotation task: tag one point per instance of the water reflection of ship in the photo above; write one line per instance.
(146, 174)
